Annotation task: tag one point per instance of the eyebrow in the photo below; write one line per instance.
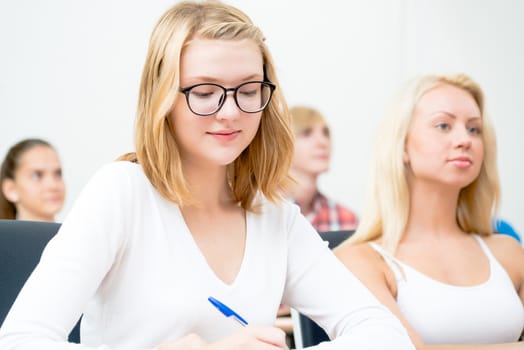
(454, 116)
(217, 80)
(43, 168)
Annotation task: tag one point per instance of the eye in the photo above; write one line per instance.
(443, 126)
(37, 175)
(58, 173)
(248, 93)
(205, 91)
(306, 132)
(202, 94)
(475, 130)
(326, 132)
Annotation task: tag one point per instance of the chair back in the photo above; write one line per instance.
(21, 245)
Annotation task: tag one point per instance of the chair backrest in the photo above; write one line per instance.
(21, 245)
(305, 331)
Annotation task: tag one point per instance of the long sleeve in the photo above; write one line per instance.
(319, 286)
(71, 270)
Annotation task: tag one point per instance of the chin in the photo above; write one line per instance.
(319, 170)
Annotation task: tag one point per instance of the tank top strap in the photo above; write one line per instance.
(484, 247)
(392, 262)
(497, 270)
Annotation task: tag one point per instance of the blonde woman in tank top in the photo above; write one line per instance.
(425, 247)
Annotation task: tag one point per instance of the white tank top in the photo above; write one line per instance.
(440, 313)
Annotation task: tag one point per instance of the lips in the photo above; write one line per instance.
(224, 135)
(461, 162)
(223, 132)
(462, 159)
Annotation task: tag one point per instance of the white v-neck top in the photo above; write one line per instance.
(125, 258)
(487, 313)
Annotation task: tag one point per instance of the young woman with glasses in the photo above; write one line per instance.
(195, 213)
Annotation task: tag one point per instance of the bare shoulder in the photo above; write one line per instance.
(364, 261)
(508, 252)
(353, 254)
(372, 270)
(503, 245)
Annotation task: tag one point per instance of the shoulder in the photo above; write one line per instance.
(349, 252)
(368, 265)
(504, 227)
(334, 203)
(504, 245)
(347, 216)
(119, 174)
(360, 258)
(341, 209)
(508, 252)
(119, 181)
(119, 168)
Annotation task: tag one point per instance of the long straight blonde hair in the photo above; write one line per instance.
(387, 204)
(263, 165)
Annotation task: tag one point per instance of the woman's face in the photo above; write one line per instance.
(217, 139)
(444, 144)
(312, 150)
(38, 189)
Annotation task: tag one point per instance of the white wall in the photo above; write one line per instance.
(69, 72)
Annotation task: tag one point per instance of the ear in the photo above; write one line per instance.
(9, 190)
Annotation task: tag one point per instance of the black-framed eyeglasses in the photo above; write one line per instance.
(207, 98)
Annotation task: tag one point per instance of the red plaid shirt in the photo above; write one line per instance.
(327, 215)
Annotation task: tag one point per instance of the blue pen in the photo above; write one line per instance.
(226, 311)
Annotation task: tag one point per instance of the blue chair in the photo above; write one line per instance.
(504, 227)
(21, 245)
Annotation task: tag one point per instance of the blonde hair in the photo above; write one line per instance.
(303, 117)
(387, 207)
(263, 165)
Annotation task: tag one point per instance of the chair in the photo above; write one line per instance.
(504, 227)
(305, 331)
(21, 245)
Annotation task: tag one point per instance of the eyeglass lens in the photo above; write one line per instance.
(207, 99)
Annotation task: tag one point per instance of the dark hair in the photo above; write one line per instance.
(8, 170)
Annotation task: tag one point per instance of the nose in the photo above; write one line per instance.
(463, 138)
(229, 109)
(54, 182)
(321, 138)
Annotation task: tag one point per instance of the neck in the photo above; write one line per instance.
(25, 215)
(432, 212)
(209, 186)
(304, 191)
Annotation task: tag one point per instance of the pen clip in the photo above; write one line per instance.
(226, 311)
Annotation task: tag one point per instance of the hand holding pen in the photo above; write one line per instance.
(254, 337)
(248, 338)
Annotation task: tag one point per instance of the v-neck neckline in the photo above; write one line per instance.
(203, 261)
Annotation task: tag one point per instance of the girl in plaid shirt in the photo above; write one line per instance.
(312, 156)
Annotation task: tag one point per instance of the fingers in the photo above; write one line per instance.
(248, 338)
(272, 336)
(189, 342)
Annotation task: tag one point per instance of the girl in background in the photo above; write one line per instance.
(311, 159)
(32, 187)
